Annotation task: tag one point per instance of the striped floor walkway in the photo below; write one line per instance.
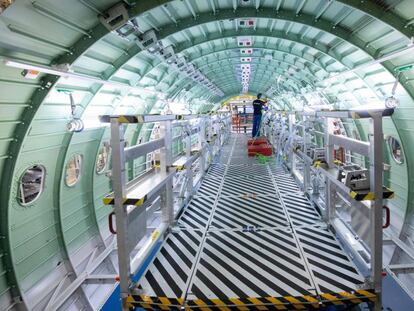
(249, 240)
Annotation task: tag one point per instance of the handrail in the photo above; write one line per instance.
(134, 152)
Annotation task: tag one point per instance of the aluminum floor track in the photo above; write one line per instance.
(249, 240)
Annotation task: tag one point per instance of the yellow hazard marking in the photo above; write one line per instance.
(239, 304)
(315, 302)
(179, 168)
(107, 201)
(126, 201)
(363, 196)
(129, 302)
(220, 304)
(332, 299)
(257, 302)
(278, 304)
(145, 306)
(354, 299)
(367, 294)
(165, 303)
(201, 303)
(123, 119)
(155, 235)
(370, 196)
(296, 303)
(140, 201)
(317, 164)
(148, 301)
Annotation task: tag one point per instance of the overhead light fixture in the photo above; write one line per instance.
(68, 74)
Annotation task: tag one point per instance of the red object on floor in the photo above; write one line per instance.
(265, 149)
(257, 141)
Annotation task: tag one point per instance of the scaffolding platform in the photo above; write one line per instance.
(250, 240)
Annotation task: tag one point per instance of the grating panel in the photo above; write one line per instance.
(171, 269)
(300, 210)
(241, 212)
(196, 215)
(250, 264)
(243, 161)
(248, 186)
(216, 171)
(286, 183)
(278, 170)
(209, 187)
(333, 271)
(249, 258)
(247, 170)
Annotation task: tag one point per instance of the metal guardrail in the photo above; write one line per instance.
(128, 199)
(368, 201)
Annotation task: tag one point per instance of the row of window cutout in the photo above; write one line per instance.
(32, 181)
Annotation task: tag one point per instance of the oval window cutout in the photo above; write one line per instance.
(395, 149)
(31, 184)
(73, 170)
(102, 159)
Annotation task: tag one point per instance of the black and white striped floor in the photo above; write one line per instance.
(249, 240)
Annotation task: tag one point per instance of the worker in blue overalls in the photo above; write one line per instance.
(258, 105)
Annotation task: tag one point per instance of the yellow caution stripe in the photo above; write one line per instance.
(126, 201)
(157, 303)
(255, 303)
(318, 163)
(128, 119)
(370, 196)
(179, 168)
(347, 297)
(306, 302)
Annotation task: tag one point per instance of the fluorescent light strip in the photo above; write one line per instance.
(66, 74)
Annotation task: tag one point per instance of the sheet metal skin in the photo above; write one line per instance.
(250, 240)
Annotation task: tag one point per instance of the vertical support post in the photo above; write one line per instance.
(330, 198)
(315, 185)
(376, 181)
(202, 145)
(289, 143)
(329, 189)
(218, 132)
(118, 184)
(167, 200)
(306, 164)
(328, 143)
(188, 170)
